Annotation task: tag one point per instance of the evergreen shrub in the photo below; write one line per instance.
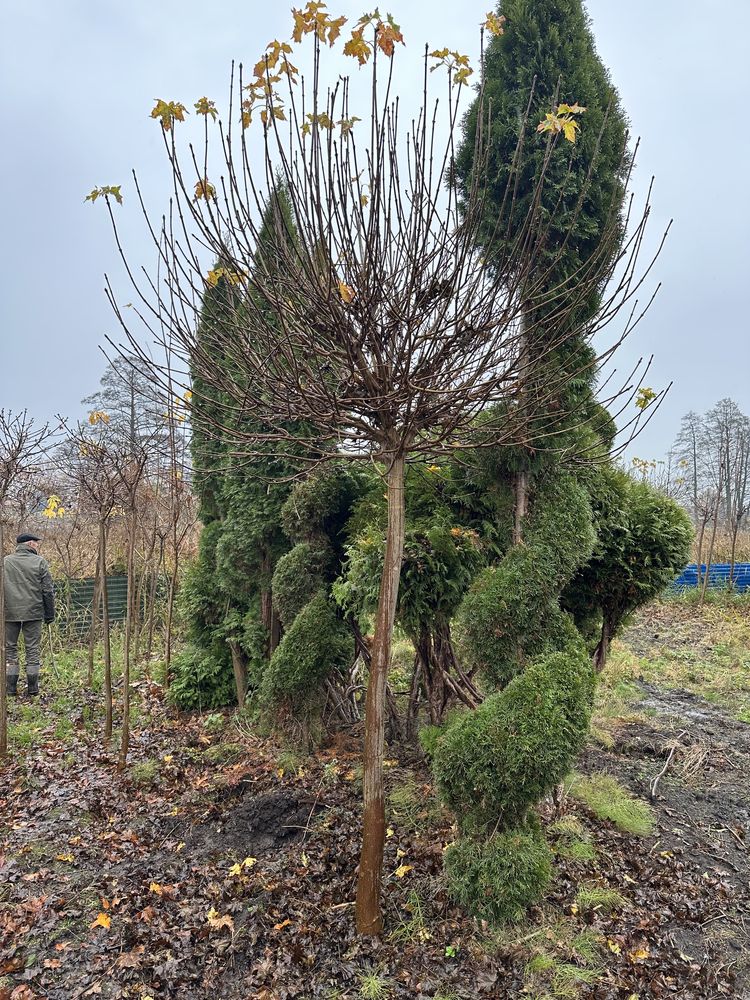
(298, 576)
(498, 879)
(317, 644)
(494, 763)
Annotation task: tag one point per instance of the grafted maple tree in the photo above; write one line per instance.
(379, 332)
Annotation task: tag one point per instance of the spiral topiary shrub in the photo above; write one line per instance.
(498, 879)
(500, 620)
(317, 644)
(298, 576)
(494, 763)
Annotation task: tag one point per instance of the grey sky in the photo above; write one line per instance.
(79, 78)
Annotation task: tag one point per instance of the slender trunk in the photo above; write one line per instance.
(168, 627)
(521, 505)
(3, 667)
(152, 602)
(368, 911)
(412, 708)
(95, 603)
(125, 733)
(699, 560)
(710, 554)
(240, 672)
(105, 631)
(268, 614)
(602, 650)
(733, 552)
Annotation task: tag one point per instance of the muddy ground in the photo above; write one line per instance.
(215, 867)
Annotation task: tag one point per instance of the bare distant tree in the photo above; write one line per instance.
(21, 447)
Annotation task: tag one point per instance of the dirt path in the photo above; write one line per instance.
(692, 761)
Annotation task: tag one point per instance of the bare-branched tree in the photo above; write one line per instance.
(378, 331)
(21, 448)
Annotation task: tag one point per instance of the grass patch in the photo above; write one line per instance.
(373, 986)
(598, 897)
(145, 772)
(705, 650)
(405, 802)
(560, 961)
(222, 753)
(606, 798)
(415, 928)
(572, 841)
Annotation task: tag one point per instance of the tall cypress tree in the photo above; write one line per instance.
(227, 596)
(546, 56)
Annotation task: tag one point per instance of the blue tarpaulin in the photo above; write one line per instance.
(719, 575)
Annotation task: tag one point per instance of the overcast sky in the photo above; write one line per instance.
(79, 78)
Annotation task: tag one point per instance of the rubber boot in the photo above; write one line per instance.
(12, 685)
(32, 685)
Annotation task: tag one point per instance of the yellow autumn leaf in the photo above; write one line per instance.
(168, 112)
(639, 954)
(387, 34)
(205, 190)
(569, 130)
(155, 887)
(205, 107)
(403, 870)
(346, 292)
(249, 862)
(101, 192)
(494, 23)
(103, 920)
(65, 857)
(358, 48)
(644, 397)
(614, 947)
(217, 921)
(235, 869)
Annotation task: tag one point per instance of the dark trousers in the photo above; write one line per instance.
(32, 639)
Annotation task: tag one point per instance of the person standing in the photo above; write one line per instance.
(29, 601)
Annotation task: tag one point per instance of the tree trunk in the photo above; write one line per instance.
(602, 650)
(521, 505)
(129, 614)
(170, 617)
(105, 631)
(95, 603)
(368, 911)
(699, 560)
(3, 667)
(240, 672)
(152, 604)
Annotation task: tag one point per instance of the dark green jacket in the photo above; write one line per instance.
(29, 593)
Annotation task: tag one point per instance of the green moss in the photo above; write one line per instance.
(607, 799)
(498, 879)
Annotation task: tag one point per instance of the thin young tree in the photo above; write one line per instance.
(382, 334)
(21, 446)
(97, 475)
